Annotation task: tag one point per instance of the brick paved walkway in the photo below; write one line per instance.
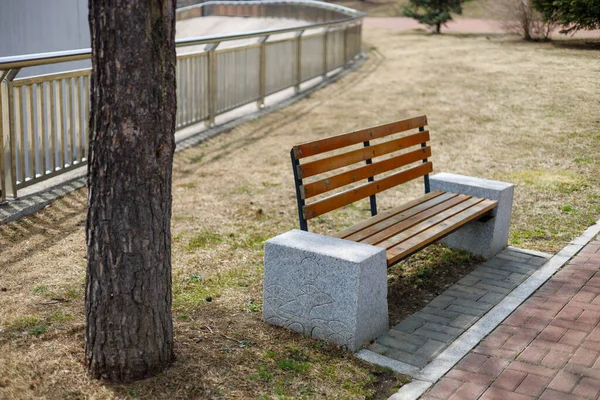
(425, 334)
(548, 348)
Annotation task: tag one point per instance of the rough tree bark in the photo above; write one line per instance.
(129, 330)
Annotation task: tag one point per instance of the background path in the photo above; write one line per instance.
(477, 26)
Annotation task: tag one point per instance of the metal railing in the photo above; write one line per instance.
(44, 119)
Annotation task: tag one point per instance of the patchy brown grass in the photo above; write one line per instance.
(501, 109)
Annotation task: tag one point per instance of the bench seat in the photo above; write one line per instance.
(408, 228)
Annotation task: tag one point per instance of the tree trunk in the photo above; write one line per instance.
(129, 330)
(438, 28)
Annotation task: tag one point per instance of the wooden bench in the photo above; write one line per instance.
(320, 167)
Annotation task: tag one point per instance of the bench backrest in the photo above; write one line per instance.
(402, 152)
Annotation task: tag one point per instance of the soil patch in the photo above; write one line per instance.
(422, 277)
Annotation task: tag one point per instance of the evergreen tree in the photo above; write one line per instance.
(572, 14)
(433, 12)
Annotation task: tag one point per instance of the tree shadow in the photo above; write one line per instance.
(577, 44)
(218, 357)
(489, 36)
(57, 220)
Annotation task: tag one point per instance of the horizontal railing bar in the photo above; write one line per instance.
(33, 60)
(204, 53)
(51, 174)
(51, 77)
(252, 34)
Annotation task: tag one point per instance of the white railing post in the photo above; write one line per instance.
(8, 173)
(360, 48)
(211, 95)
(262, 72)
(3, 101)
(325, 51)
(346, 58)
(298, 61)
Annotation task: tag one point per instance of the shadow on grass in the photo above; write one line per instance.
(59, 219)
(423, 276)
(217, 358)
(461, 35)
(577, 44)
(591, 44)
(250, 359)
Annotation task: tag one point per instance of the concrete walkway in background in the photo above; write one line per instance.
(548, 348)
(476, 26)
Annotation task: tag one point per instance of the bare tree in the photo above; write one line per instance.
(519, 16)
(129, 330)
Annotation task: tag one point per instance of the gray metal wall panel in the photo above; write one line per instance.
(40, 26)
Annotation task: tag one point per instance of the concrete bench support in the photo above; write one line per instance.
(326, 288)
(485, 238)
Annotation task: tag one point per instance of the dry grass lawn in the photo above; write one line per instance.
(393, 8)
(498, 108)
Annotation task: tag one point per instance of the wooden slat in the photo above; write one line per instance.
(360, 192)
(381, 225)
(358, 174)
(352, 157)
(387, 214)
(440, 230)
(423, 226)
(373, 236)
(363, 135)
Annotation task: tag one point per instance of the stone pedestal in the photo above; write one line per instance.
(483, 237)
(326, 288)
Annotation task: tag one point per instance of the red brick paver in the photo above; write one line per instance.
(548, 348)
